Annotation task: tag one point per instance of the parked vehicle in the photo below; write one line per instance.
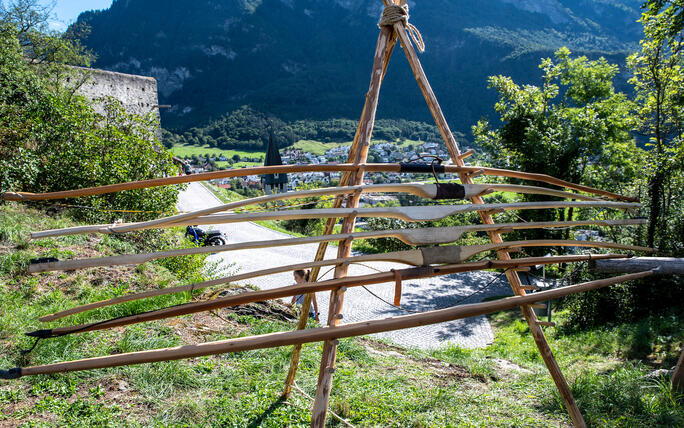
(204, 238)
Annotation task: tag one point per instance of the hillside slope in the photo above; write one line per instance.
(311, 58)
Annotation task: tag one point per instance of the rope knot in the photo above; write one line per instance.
(395, 13)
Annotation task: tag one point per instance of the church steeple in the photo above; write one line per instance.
(273, 182)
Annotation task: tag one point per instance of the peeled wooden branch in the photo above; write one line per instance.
(424, 256)
(425, 236)
(312, 335)
(425, 190)
(243, 172)
(415, 213)
(298, 289)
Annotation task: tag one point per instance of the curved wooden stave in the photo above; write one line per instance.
(422, 236)
(425, 190)
(297, 289)
(414, 257)
(242, 172)
(273, 340)
(413, 213)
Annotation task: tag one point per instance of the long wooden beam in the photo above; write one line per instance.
(667, 265)
(358, 154)
(446, 254)
(298, 289)
(424, 236)
(273, 340)
(279, 169)
(425, 190)
(406, 213)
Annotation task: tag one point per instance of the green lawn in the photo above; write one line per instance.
(375, 383)
(317, 148)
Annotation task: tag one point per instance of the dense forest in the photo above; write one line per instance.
(248, 129)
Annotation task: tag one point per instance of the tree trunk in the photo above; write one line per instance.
(655, 192)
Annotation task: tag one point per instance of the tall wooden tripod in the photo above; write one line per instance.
(358, 153)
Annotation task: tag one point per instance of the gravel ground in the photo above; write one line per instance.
(359, 304)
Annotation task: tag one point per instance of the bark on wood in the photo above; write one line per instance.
(667, 265)
(486, 217)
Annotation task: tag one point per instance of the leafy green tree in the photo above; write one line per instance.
(673, 10)
(658, 79)
(28, 20)
(52, 139)
(575, 126)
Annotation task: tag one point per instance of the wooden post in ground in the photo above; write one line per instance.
(357, 154)
(383, 52)
(678, 375)
(513, 278)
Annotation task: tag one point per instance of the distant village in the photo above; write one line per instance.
(385, 152)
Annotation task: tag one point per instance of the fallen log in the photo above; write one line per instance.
(667, 265)
(273, 340)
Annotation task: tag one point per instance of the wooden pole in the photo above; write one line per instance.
(279, 169)
(513, 278)
(357, 154)
(678, 374)
(305, 288)
(383, 52)
(273, 340)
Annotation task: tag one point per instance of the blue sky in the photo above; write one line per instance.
(66, 11)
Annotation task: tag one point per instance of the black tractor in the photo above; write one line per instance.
(204, 238)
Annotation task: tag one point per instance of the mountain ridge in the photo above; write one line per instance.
(311, 59)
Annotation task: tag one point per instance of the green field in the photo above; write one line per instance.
(317, 148)
(183, 150)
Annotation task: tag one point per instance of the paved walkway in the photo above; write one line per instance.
(359, 304)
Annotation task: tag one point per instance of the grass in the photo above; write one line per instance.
(317, 148)
(375, 383)
(183, 150)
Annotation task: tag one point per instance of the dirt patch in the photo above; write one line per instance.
(200, 326)
(272, 309)
(507, 368)
(439, 368)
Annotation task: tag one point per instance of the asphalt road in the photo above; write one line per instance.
(359, 304)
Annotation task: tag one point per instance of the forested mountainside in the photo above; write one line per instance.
(310, 59)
